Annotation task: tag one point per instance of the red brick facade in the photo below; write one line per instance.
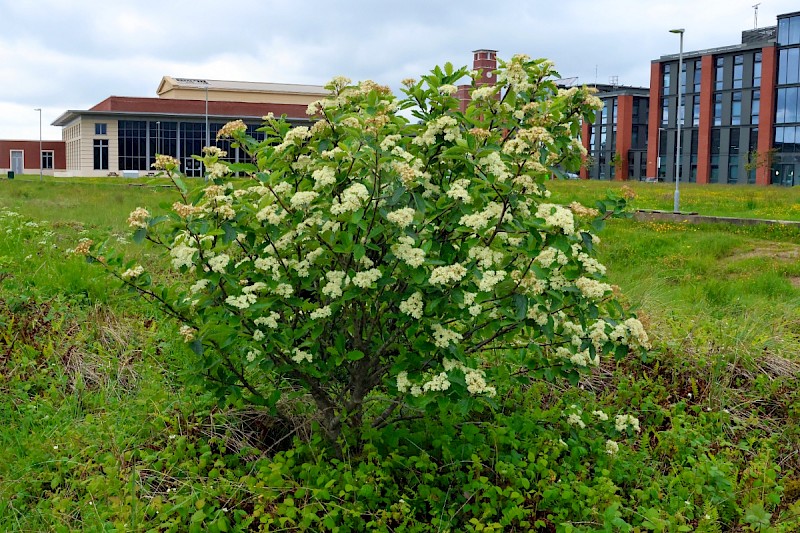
(654, 119)
(30, 150)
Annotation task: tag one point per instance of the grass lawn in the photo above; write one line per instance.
(102, 432)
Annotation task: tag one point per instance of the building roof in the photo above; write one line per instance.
(130, 105)
(169, 83)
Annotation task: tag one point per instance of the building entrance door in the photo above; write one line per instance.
(192, 167)
(17, 161)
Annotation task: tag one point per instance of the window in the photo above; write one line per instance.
(783, 31)
(789, 66)
(733, 144)
(47, 159)
(696, 111)
(789, 31)
(755, 107)
(665, 79)
(101, 154)
(787, 109)
(733, 156)
(720, 71)
(132, 145)
(664, 111)
(717, 109)
(697, 75)
(757, 69)
(683, 78)
(100, 128)
(752, 149)
(736, 108)
(738, 71)
(715, 140)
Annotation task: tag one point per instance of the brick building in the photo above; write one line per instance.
(122, 135)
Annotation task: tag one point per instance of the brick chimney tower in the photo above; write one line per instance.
(485, 61)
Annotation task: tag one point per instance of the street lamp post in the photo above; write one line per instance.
(39, 109)
(677, 202)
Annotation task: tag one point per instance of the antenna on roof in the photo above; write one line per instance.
(613, 81)
(755, 16)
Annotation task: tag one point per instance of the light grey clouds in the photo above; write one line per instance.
(71, 54)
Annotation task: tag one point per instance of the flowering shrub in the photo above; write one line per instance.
(405, 262)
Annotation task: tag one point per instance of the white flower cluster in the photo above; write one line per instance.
(591, 288)
(323, 177)
(575, 419)
(557, 216)
(187, 332)
(458, 190)
(485, 256)
(622, 422)
(243, 301)
(413, 306)
(134, 272)
(402, 218)
(293, 137)
(444, 125)
(445, 275)
(303, 199)
(612, 448)
(484, 93)
(199, 285)
(475, 380)
(590, 264)
(298, 356)
(404, 250)
(336, 280)
(366, 278)
(273, 214)
(478, 221)
(631, 332)
(389, 142)
(493, 164)
(352, 199)
(491, 278)
(283, 289)
(138, 218)
(182, 255)
(219, 262)
(270, 321)
(321, 312)
(515, 75)
(443, 337)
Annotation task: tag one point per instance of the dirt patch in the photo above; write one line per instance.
(780, 251)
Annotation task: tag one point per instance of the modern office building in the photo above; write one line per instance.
(785, 164)
(616, 142)
(739, 113)
(122, 135)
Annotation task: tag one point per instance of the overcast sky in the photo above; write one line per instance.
(71, 54)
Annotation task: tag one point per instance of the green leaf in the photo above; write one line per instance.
(197, 346)
(139, 235)
(355, 355)
(521, 306)
(230, 233)
(179, 183)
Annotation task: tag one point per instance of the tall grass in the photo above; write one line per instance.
(101, 432)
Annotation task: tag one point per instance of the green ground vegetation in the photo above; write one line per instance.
(105, 430)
